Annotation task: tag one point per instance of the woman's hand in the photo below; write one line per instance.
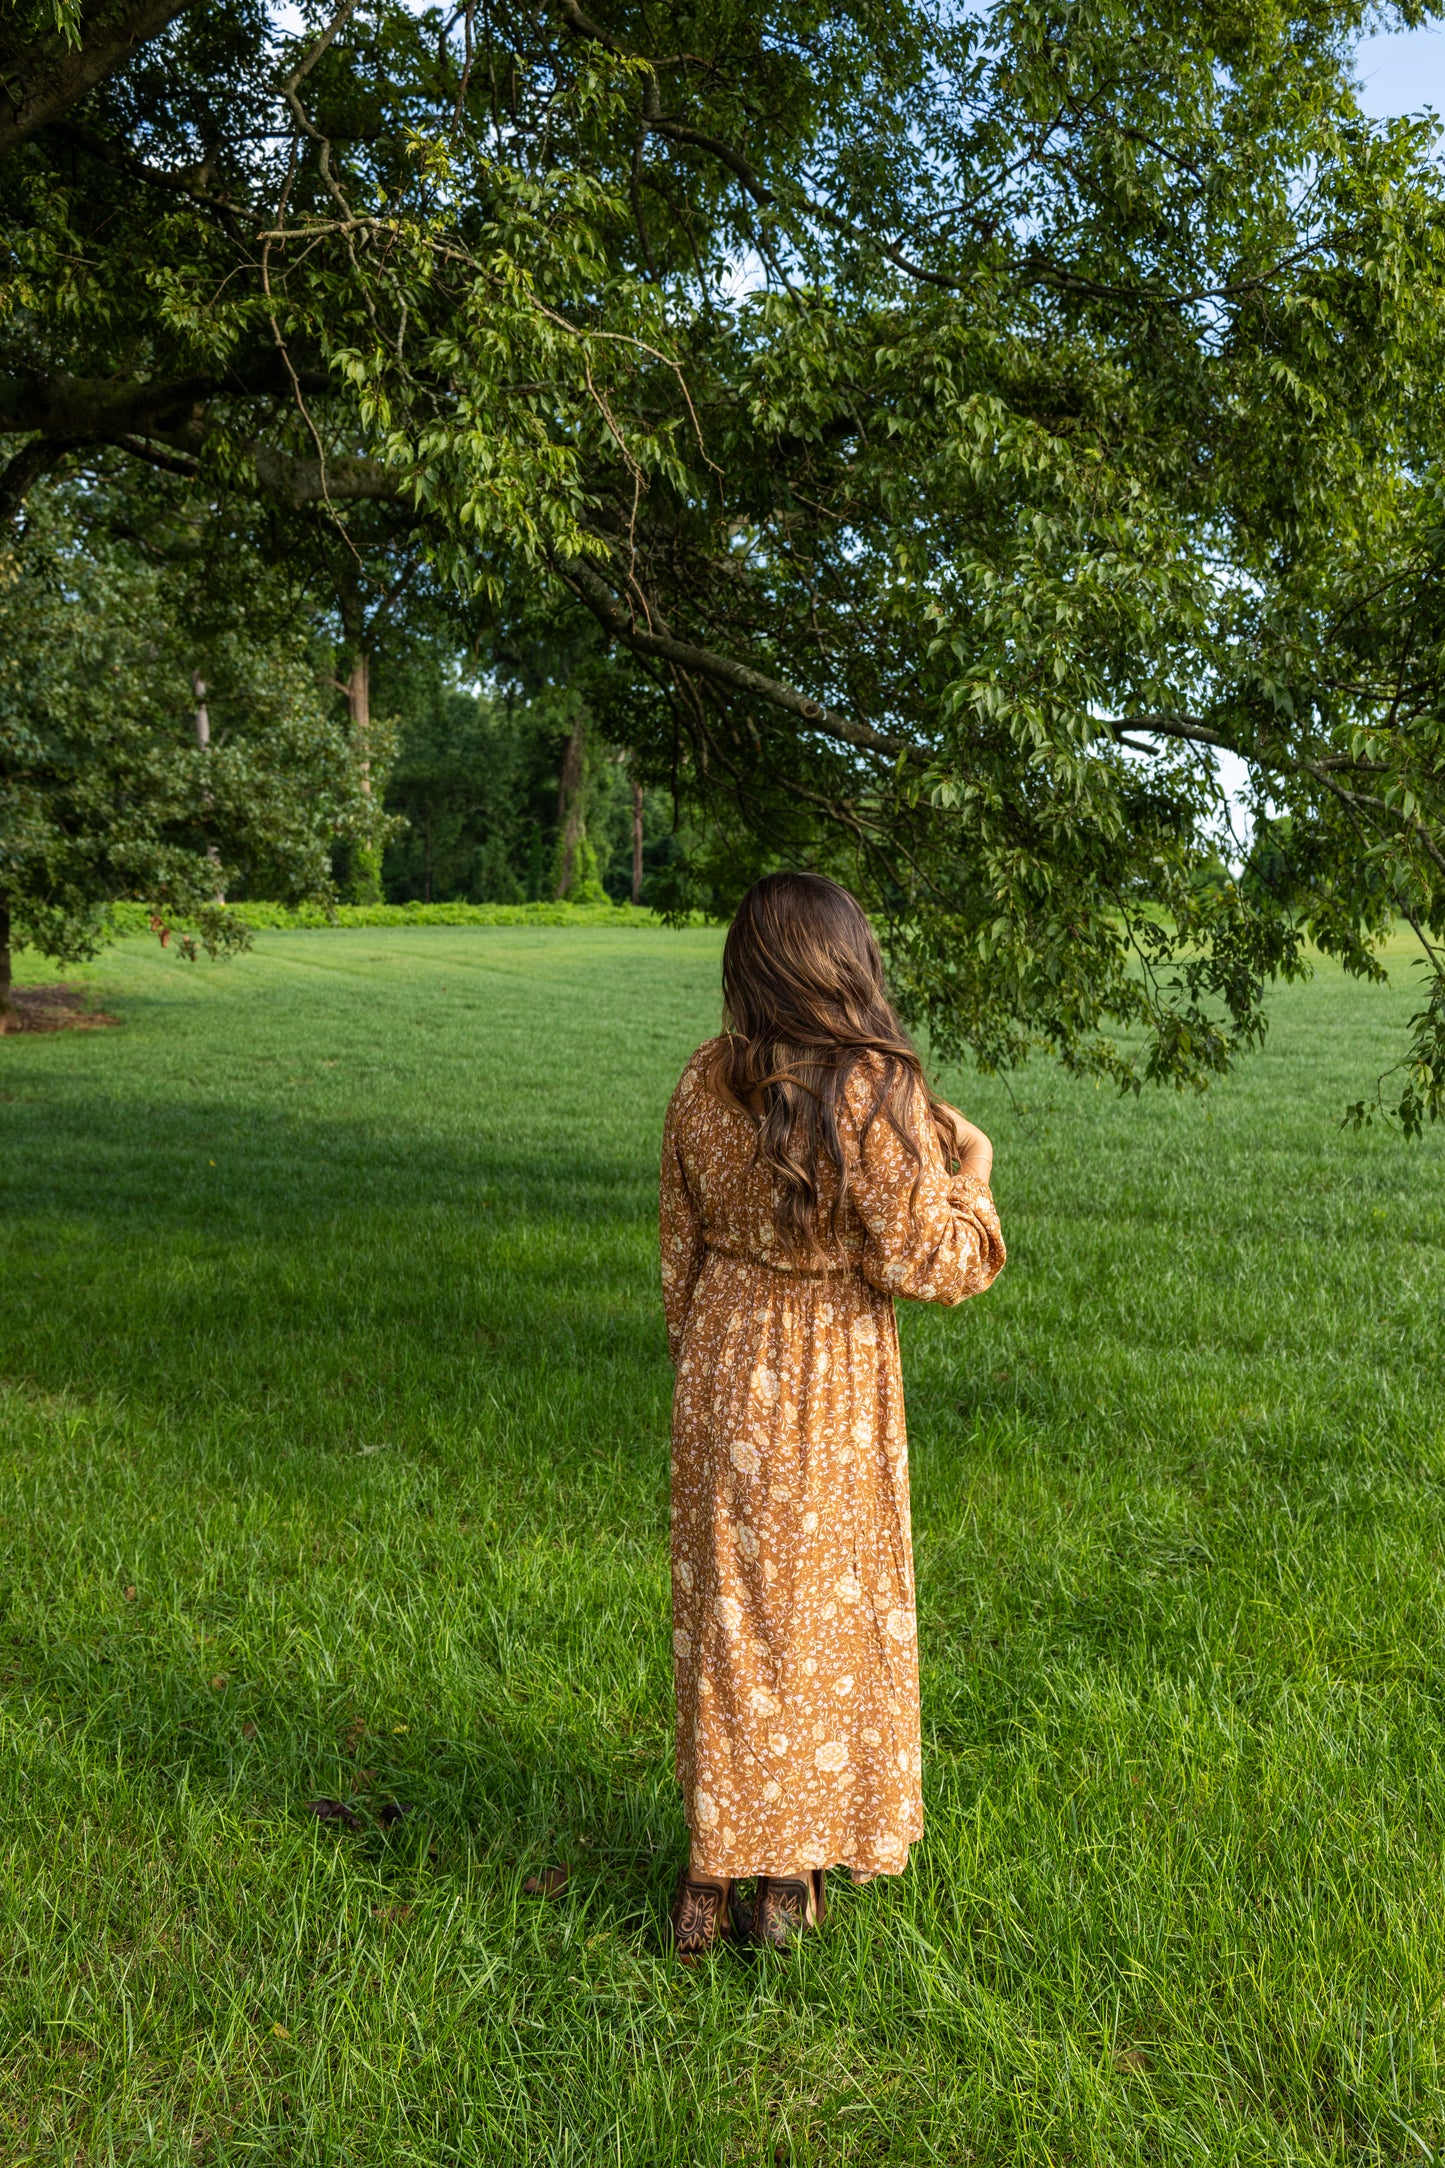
(963, 1140)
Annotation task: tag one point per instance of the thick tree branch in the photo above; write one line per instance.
(38, 84)
(343, 481)
(67, 407)
(1172, 726)
(723, 669)
(21, 472)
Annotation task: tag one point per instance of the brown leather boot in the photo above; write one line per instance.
(787, 1905)
(700, 1915)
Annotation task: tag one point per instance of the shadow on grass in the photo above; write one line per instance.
(487, 1810)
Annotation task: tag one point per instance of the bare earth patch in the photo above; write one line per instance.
(52, 1008)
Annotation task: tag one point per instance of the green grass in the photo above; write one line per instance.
(329, 1329)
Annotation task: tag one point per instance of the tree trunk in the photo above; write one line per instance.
(358, 704)
(636, 841)
(4, 952)
(203, 740)
(569, 805)
(366, 878)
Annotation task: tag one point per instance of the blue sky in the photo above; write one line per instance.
(1402, 72)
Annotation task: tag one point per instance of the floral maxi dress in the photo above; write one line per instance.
(794, 1641)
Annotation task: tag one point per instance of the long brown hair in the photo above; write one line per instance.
(805, 1001)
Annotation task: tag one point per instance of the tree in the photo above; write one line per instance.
(147, 753)
(959, 429)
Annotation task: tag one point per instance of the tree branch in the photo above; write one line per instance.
(23, 471)
(38, 83)
(723, 669)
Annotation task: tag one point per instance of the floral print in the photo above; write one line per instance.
(794, 1643)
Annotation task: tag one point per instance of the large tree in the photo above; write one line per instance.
(165, 736)
(961, 427)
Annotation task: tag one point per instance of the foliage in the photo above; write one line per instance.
(105, 790)
(135, 918)
(371, 1415)
(935, 435)
(476, 780)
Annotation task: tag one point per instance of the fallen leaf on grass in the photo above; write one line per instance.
(130, 1595)
(392, 1912)
(392, 1813)
(280, 2032)
(219, 1683)
(335, 1810)
(549, 1883)
(248, 1731)
(364, 1779)
(1130, 2059)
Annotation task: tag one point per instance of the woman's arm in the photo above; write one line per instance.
(963, 1140)
(680, 1233)
(939, 1242)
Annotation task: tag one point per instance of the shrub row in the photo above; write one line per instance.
(136, 917)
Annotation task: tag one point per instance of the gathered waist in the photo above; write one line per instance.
(788, 1271)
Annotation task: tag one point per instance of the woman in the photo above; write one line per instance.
(808, 1177)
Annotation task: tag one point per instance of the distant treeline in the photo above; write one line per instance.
(511, 800)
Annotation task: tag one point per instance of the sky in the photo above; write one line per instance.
(1402, 71)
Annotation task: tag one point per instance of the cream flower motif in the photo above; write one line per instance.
(810, 1665)
(770, 1571)
(778, 1744)
(833, 1754)
(765, 1385)
(747, 1542)
(704, 1806)
(730, 1836)
(783, 1492)
(898, 1625)
(849, 1587)
(730, 1611)
(744, 1457)
(862, 1430)
(844, 1685)
(865, 1332)
(870, 1737)
(903, 1759)
(772, 1790)
(685, 1573)
(830, 1610)
(886, 1844)
(762, 1703)
(681, 1643)
(810, 1522)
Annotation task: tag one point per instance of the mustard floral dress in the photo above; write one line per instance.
(794, 1641)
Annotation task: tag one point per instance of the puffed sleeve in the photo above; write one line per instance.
(943, 1245)
(679, 1226)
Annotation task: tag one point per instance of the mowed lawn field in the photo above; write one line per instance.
(333, 1465)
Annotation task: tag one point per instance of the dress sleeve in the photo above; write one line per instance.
(943, 1246)
(680, 1230)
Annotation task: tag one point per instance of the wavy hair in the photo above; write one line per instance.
(805, 1002)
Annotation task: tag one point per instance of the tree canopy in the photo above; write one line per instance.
(934, 436)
